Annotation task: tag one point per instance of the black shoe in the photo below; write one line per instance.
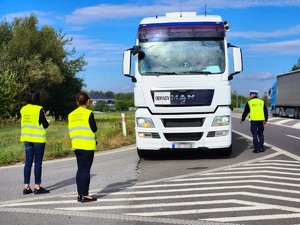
(41, 190)
(262, 149)
(256, 151)
(27, 191)
(85, 199)
(79, 198)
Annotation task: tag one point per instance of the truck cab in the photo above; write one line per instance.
(182, 83)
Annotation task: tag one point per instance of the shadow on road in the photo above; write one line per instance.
(115, 187)
(239, 145)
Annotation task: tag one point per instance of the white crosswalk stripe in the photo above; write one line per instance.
(264, 191)
(229, 195)
(280, 121)
(221, 184)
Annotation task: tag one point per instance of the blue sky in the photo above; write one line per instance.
(268, 31)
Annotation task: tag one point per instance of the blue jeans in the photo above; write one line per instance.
(33, 151)
(83, 176)
(257, 130)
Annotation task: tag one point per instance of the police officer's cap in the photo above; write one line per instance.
(253, 92)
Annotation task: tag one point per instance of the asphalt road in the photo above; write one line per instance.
(175, 188)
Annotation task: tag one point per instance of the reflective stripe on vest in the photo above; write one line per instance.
(31, 130)
(256, 109)
(82, 137)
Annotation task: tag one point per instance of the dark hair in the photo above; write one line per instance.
(33, 97)
(82, 98)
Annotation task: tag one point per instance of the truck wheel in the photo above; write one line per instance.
(144, 153)
(280, 113)
(296, 113)
(227, 151)
(140, 153)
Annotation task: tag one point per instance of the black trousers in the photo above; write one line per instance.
(83, 176)
(257, 130)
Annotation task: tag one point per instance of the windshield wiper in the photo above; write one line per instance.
(197, 72)
(161, 73)
(176, 73)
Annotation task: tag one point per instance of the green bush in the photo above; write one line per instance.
(58, 145)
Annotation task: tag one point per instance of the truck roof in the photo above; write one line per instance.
(182, 17)
(289, 73)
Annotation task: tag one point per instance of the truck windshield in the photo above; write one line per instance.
(183, 57)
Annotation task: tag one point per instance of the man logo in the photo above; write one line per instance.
(182, 98)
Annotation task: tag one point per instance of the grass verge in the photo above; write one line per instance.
(58, 145)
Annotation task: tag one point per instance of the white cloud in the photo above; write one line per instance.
(42, 16)
(281, 48)
(249, 3)
(260, 76)
(263, 35)
(105, 11)
(83, 42)
(97, 52)
(113, 11)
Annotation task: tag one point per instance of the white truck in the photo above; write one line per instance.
(285, 95)
(182, 83)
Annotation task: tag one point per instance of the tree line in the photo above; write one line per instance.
(239, 101)
(296, 66)
(41, 59)
(122, 101)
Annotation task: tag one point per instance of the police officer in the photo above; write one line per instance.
(82, 128)
(258, 114)
(33, 134)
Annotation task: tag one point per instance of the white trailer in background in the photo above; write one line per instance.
(285, 95)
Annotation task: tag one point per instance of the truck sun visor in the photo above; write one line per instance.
(168, 31)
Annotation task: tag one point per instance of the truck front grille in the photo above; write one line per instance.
(183, 136)
(193, 122)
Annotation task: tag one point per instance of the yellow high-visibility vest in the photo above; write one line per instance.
(256, 109)
(31, 130)
(82, 137)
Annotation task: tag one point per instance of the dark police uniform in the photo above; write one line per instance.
(258, 113)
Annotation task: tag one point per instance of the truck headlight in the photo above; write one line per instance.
(221, 121)
(144, 122)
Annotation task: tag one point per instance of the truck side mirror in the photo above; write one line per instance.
(237, 61)
(127, 64)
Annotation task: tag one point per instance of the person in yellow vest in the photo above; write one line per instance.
(258, 114)
(33, 134)
(82, 129)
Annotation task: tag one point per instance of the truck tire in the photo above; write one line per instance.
(281, 112)
(140, 153)
(296, 113)
(227, 151)
(144, 153)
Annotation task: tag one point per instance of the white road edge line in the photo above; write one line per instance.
(293, 136)
(279, 150)
(97, 154)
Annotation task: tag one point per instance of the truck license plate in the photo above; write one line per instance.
(183, 145)
(162, 98)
